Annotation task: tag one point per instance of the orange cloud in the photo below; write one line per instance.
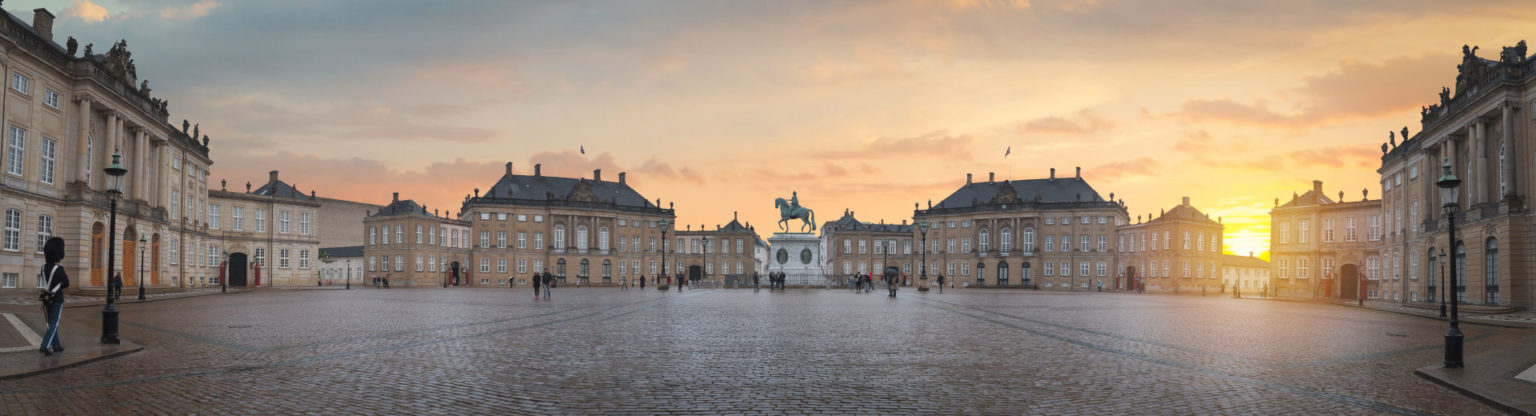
(85, 10)
(1086, 122)
(1355, 90)
(934, 144)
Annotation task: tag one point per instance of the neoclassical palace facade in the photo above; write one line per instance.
(1483, 130)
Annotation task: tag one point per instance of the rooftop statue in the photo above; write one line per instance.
(791, 209)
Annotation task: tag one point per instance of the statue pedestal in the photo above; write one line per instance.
(798, 256)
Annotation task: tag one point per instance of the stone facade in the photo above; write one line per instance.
(341, 221)
(413, 247)
(729, 253)
(1248, 274)
(1484, 132)
(1321, 248)
(266, 237)
(1180, 250)
(65, 113)
(1055, 233)
(852, 246)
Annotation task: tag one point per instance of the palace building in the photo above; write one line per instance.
(851, 246)
(270, 235)
(1482, 130)
(727, 255)
(1320, 247)
(414, 247)
(1054, 233)
(1180, 250)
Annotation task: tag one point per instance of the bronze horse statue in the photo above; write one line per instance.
(788, 212)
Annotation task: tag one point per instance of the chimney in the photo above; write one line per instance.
(1186, 201)
(991, 176)
(597, 175)
(1317, 186)
(734, 217)
(509, 168)
(1053, 174)
(272, 176)
(397, 197)
(967, 179)
(1250, 254)
(536, 168)
(1079, 172)
(42, 22)
(621, 178)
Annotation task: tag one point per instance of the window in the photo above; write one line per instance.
(261, 257)
(1083, 242)
(1029, 240)
(485, 216)
(501, 264)
(214, 216)
(522, 240)
(1284, 267)
(559, 237)
(51, 99)
(501, 239)
(602, 238)
(1050, 244)
(304, 260)
(282, 258)
(1303, 229)
(1050, 269)
(485, 239)
(175, 203)
(1103, 243)
(981, 240)
(1375, 224)
(951, 245)
(581, 238)
(431, 235)
(261, 223)
(44, 230)
(1285, 233)
(12, 230)
(399, 263)
(1372, 268)
(16, 151)
(1050, 221)
(951, 269)
(283, 218)
(46, 156)
(1186, 269)
(1082, 268)
(1413, 267)
(9, 280)
(399, 232)
(522, 265)
(1491, 271)
(501, 216)
(1166, 238)
(1066, 243)
(965, 245)
(1085, 220)
(373, 234)
(863, 246)
(20, 83)
(538, 240)
(236, 218)
(1103, 220)
(1102, 268)
(1301, 268)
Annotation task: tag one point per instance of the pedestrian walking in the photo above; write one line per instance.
(536, 283)
(1101, 285)
(115, 286)
(54, 280)
(549, 284)
(754, 282)
(941, 283)
(642, 282)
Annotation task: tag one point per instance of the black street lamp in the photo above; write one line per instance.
(115, 172)
(1442, 282)
(704, 241)
(142, 242)
(1448, 197)
(664, 226)
(885, 254)
(922, 227)
(349, 273)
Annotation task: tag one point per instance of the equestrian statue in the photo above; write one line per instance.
(791, 209)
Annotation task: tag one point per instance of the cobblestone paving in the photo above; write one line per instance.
(606, 351)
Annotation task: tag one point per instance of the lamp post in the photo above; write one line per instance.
(349, 273)
(704, 241)
(1448, 184)
(142, 242)
(885, 254)
(922, 227)
(224, 277)
(1442, 282)
(664, 226)
(115, 172)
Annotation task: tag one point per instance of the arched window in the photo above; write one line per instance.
(1024, 274)
(1461, 272)
(1029, 240)
(581, 237)
(560, 268)
(1002, 269)
(602, 238)
(1434, 279)
(560, 239)
(586, 269)
(1491, 272)
(981, 275)
(981, 240)
(1005, 241)
(607, 270)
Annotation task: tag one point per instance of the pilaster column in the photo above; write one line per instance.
(83, 163)
(111, 136)
(141, 164)
(1482, 160)
(1506, 148)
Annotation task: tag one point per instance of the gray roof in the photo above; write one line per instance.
(849, 223)
(340, 252)
(399, 207)
(514, 188)
(280, 189)
(1028, 190)
(1184, 212)
(1243, 261)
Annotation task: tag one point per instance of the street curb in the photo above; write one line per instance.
(1472, 392)
(1469, 320)
(132, 301)
(135, 348)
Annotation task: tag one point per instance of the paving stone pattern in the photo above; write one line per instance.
(607, 351)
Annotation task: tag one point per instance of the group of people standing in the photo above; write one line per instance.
(775, 280)
(381, 282)
(545, 280)
(861, 282)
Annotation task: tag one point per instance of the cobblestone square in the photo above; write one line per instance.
(607, 351)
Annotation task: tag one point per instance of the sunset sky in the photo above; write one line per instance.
(721, 106)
